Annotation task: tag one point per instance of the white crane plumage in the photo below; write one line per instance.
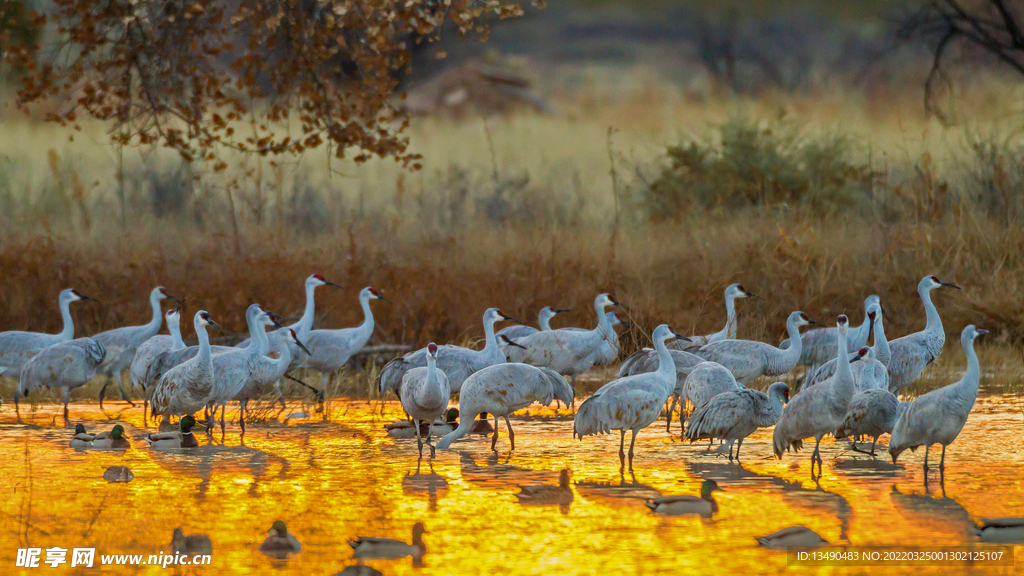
(875, 362)
(646, 360)
(569, 352)
(728, 332)
(122, 343)
(150, 349)
(608, 353)
(521, 330)
(736, 414)
(748, 359)
(330, 350)
(818, 410)
(502, 389)
(705, 381)
(938, 416)
(305, 322)
(456, 362)
(911, 353)
(819, 344)
(66, 365)
(425, 393)
(262, 372)
(186, 388)
(630, 403)
(872, 412)
(17, 347)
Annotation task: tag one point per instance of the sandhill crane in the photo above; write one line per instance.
(17, 348)
(877, 366)
(872, 412)
(543, 320)
(608, 353)
(569, 352)
(705, 381)
(501, 390)
(260, 372)
(330, 350)
(736, 414)
(646, 360)
(732, 292)
(818, 410)
(911, 353)
(819, 344)
(186, 388)
(64, 365)
(305, 323)
(425, 393)
(152, 348)
(938, 416)
(630, 403)
(747, 359)
(121, 343)
(455, 361)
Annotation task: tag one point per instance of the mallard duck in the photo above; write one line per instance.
(359, 570)
(113, 440)
(118, 474)
(482, 425)
(546, 493)
(1001, 530)
(280, 543)
(184, 438)
(192, 544)
(81, 439)
(389, 548)
(405, 429)
(793, 536)
(704, 505)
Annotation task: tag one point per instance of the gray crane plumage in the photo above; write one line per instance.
(152, 348)
(938, 416)
(819, 345)
(425, 393)
(729, 331)
(330, 350)
(501, 389)
(66, 365)
(521, 330)
(458, 363)
(871, 413)
(880, 354)
(912, 353)
(186, 388)
(736, 414)
(17, 347)
(122, 343)
(748, 359)
(261, 372)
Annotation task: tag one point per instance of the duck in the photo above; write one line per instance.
(81, 439)
(542, 494)
(405, 429)
(359, 570)
(704, 504)
(118, 474)
(1001, 530)
(389, 548)
(482, 425)
(192, 544)
(280, 543)
(793, 536)
(113, 440)
(169, 440)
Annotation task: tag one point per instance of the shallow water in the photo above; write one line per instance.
(343, 478)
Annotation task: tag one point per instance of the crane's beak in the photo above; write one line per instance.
(749, 294)
(212, 323)
(303, 346)
(329, 283)
(507, 317)
(949, 285)
(90, 298)
(560, 310)
(180, 302)
(178, 309)
(381, 297)
(815, 323)
(511, 343)
(680, 336)
(981, 331)
(275, 318)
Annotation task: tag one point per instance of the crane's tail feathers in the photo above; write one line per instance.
(563, 391)
(588, 419)
(390, 377)
(629, 364)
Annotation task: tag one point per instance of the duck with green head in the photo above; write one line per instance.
(389, 548)
(184, 438)
(704, 505)
(113, 440)
(190, 545)
(280, 543)
(81, 439)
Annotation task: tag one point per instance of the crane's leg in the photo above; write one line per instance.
(942, 461)
(631, 444)
(511, 434)
(67, 394)
(668, 417)
(103, 391)
(120, 385)
(816, 456)
(738, 446)
(573, 384)
(926, 449)
(210, 417)
(622, 450)
(222, 407)
(494, 438)
(433, 452)
(322, 395)
(419, 440)
(241, 417)
(145, 410)
(873, 442)
(280, 397)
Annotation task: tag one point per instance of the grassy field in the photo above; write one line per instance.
(521, 212)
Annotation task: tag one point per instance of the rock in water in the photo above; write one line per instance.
(118, 474)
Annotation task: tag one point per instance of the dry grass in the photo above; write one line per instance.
(518, 215)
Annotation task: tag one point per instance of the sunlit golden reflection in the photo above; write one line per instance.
(338, 479)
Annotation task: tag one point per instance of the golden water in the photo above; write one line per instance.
(345, 477)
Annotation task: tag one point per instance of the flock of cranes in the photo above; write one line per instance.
(850, 389)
